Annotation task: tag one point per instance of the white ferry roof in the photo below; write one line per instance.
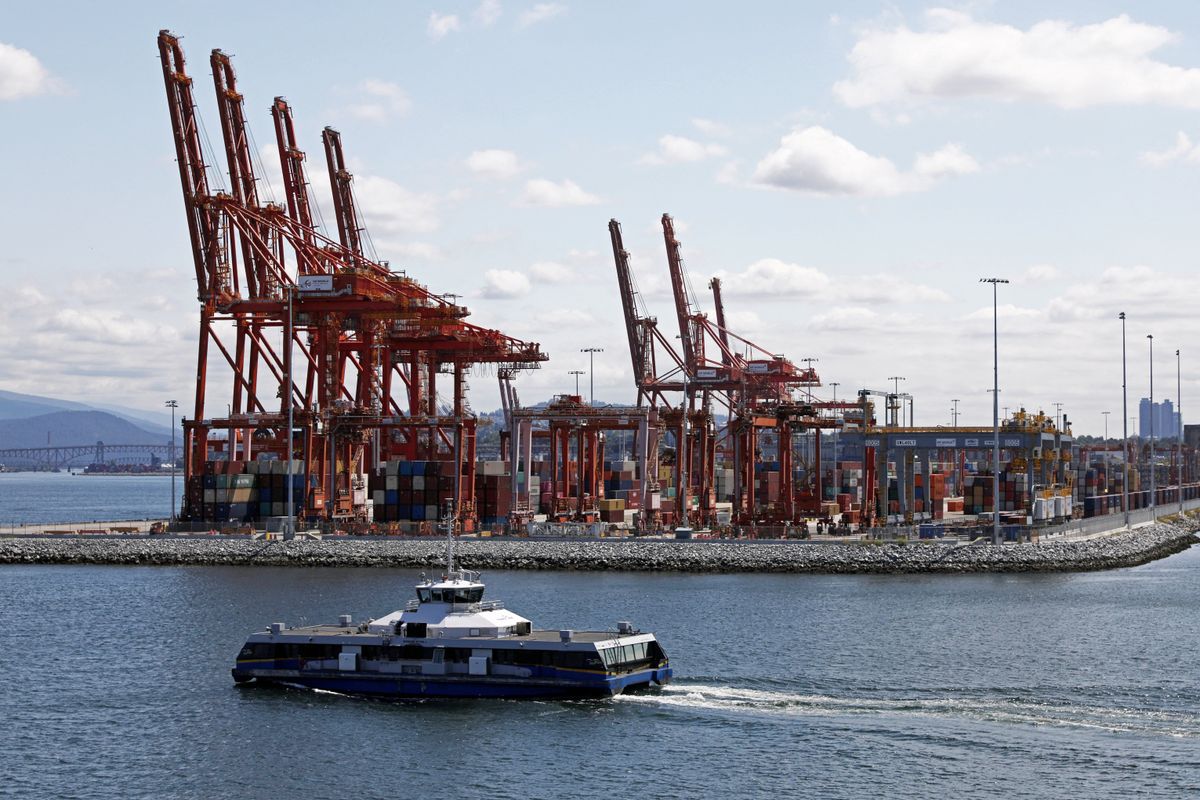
(453, 608)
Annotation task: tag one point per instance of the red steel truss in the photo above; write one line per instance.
(354, 348)
(714, 368)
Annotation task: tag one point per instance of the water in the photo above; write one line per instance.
(1015, 686)
(34, 498)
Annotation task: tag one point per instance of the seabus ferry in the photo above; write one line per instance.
(450, 642)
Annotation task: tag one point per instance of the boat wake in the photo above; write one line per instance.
(716, 698)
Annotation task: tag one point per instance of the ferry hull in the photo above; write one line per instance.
(436, 686)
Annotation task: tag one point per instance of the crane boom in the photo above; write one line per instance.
(634, 327)
(693, 344)
(726, 354)
(239, 156)
(295, 184)
(349, 231)
(208, 254)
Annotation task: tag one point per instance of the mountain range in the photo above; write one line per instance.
(33, 421)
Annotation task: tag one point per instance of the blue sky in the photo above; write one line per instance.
(851, 169)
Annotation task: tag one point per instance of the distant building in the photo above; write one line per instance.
(1161, 415)
(1191, 436)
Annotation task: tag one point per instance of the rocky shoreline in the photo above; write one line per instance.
(1124, 549)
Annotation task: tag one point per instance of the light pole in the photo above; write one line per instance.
(995, 407)
(954, 411)
(1179, 429)
(591, 351)
(895, 379)
(1153, 481)
(576, 373)
(172, 404)
(290, 531)
(1106, 413)
(1125, 427)
(1057, 416)
(810, 361)
(834, 384)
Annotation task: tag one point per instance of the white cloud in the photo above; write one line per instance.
(554, 320)
(494, 163)
(1039, 273)
(949, 161)
(487, 13)
(1183, 150)
(380, 100)
(390, 208)
(678, 149)
(551, 272)
(710, 127)
(818, 161)
(730, 173)
(1053, 62)
(542, 192)
(441, 24)
(390, 249)
(540, 13)
(22, 75)
(106, 325)
(771, 277)
(885, 288)
(502, 284)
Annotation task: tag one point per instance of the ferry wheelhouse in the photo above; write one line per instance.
(450, 642)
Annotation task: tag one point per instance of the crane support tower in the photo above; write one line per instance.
(315, 328)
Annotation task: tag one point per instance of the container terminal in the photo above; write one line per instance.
(335, 362)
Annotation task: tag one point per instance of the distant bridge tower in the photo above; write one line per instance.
(99, 453)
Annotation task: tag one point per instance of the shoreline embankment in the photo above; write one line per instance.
(1119, 549)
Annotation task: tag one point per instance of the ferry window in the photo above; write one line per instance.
(415, 630)
(255, 651)
(592, 661)
(437, 595)
(423, 595)
(410, 652)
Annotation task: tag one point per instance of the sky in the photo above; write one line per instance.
(851, 170)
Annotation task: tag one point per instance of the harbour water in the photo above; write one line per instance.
(1004, 686)
(35, 498)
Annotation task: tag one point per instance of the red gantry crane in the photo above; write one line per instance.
(352, 348)
(758, 390)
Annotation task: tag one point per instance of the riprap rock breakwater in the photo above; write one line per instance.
(1123, 549)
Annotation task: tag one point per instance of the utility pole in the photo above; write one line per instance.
(576, 373)
(995, 407)
(895, 379)
(1106, 413)
(1153, 476)
(1179, 427)
(591, 351)
(1125, 427)
(172, 404)
(290, 531)
(834, 384)
(810, 361)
